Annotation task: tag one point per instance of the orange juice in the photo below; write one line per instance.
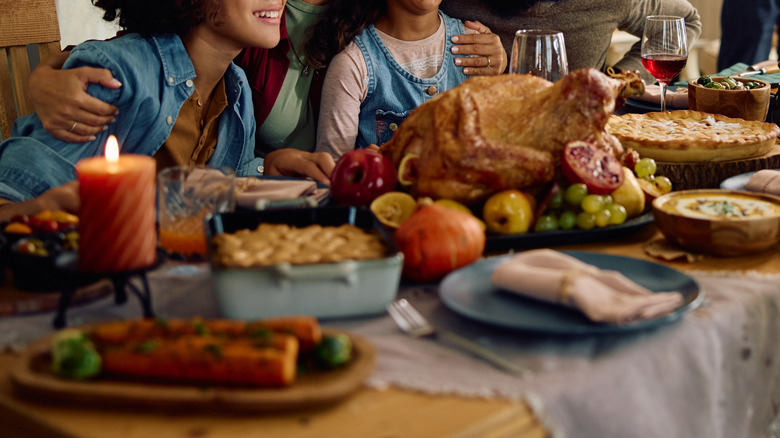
(185, 236)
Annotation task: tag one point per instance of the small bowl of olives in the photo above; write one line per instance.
(743, 98)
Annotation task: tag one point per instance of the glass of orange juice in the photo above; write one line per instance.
(185, 196)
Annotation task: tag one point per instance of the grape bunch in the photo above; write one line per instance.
(574, 206)
(645, 169)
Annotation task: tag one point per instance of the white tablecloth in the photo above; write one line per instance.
(714, 374)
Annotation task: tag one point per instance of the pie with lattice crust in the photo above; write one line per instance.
(693, 136)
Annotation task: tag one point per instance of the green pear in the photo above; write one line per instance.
(630, 195)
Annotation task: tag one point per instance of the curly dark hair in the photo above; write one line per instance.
(156, 17)
(341, 23)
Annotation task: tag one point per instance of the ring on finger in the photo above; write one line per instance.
(76, 123)
(488, 62)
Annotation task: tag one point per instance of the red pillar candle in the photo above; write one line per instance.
(117, 231)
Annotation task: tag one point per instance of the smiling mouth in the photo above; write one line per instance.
(268, 14)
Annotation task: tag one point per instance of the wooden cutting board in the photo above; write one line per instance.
(705, 175)
(31, 377)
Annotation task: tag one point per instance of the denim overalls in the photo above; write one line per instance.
(392, 91)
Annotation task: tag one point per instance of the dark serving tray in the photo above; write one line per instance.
(501, 243)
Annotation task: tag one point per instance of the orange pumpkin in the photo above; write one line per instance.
(437, 240)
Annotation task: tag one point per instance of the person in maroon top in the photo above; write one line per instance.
(266, 69)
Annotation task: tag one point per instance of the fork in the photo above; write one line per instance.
(410, 321)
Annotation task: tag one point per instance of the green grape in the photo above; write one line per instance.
(556, 201)
(618, 214)
(592, 204)
(546, 222)
(607, 200)
(664, 184)
(586, 220)
(645, 167)
(575, 193)
(568, 220)
(603, 218)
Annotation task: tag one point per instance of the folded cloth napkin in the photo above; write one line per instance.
(764, 181)
(205, 183)
(254, 193)
(602, 295)
(674, 99)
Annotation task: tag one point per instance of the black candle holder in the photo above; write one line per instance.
(73, 279)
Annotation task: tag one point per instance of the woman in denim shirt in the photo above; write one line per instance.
(175, 54)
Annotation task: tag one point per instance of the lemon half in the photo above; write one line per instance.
(393, 208)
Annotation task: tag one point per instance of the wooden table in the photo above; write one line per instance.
(367, 413)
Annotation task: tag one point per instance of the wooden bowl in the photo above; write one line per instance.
(748, 104)
(723, 235)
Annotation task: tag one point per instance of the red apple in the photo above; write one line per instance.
(360, 176)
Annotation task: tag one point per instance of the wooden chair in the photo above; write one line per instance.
(22, 22)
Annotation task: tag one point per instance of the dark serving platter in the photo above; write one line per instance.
(503, 243)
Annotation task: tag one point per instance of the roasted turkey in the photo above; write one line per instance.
(500, 132)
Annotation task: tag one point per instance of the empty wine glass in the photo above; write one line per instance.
(664, 49)
(539, 52)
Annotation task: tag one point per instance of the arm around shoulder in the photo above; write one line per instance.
(66, 111)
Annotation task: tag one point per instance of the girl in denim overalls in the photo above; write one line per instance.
(402, 58)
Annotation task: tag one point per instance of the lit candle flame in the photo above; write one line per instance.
(112, 149)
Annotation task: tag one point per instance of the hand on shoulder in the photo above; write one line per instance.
(62, 103)
(483, 53)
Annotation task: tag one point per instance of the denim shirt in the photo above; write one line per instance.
(157, 78)
(394, 92)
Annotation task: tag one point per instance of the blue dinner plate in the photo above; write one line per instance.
(468, 292)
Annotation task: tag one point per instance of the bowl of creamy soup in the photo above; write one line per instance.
(719, 222)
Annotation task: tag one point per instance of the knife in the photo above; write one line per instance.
(761, 68)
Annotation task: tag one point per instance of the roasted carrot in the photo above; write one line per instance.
(119, 332)
(208, 359)
(306, 328)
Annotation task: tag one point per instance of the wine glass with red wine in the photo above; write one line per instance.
(664, 49)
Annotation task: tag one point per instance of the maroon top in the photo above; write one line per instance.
(266, 69)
